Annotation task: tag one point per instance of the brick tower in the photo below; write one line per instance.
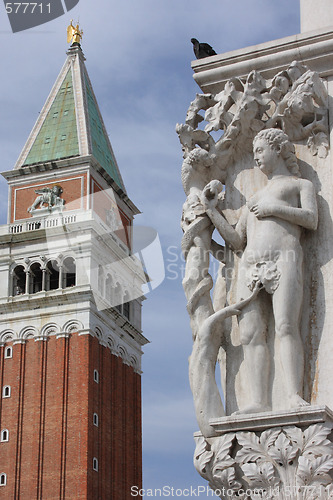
(70, 309)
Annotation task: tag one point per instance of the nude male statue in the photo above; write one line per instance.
(268, 232)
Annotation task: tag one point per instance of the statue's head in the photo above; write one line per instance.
(279, 142)
(56, 189)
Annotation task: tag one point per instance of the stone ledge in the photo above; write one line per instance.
(314, 49)
(307, 415)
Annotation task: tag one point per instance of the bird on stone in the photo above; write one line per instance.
(202, 50)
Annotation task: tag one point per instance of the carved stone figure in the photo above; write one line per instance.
(261, 218)
(49, 197)
(268, 233)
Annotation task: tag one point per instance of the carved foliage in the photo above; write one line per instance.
(295, 100)
(214, 463)
(279, 463)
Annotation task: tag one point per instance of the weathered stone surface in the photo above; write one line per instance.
(281, 461)
(268, 320)
(260, 213)
(316, 16)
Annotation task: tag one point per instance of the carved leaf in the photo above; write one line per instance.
(315, 440)
(314, 471)
(318, 144)
(202, 455)
(251, 448)
(227, 479)
(222, 458)
(268, 438)
(329, 492)
(282, 452)
(295, 435)
(260, 475)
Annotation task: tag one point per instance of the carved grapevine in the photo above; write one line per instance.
(295, 100)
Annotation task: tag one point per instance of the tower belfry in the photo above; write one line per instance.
(70, 309)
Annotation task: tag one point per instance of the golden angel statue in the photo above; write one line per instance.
(74, 35)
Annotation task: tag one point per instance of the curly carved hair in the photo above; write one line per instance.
(279, 141)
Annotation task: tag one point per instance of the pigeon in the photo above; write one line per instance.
(202, 50)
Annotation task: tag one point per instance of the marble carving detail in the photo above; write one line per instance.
(279, 463)
(257, 121)
(50, 197)
(295, 100)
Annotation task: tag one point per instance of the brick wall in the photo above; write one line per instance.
(22, 197)
(52, 436)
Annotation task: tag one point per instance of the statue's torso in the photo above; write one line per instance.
(270, 238)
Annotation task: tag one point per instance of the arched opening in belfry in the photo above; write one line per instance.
(108, 289)
(127, 305)
(69, 272)
(19, 280)
(101, 279)
(36, 278)
(118, 298)
(53, 275)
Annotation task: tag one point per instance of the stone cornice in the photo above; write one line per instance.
(66, 165)
(109, 340)
(306, 415)
(314, 49)
(76, 298)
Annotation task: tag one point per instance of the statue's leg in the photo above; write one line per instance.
(253, 332)
(287, 304)
(197, 282)
(37, 201)
(202, 363)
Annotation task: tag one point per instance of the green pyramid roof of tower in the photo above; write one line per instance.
(70, 123)
(57, 137)
(99, 139)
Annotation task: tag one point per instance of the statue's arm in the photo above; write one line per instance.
(230, 235)
(306, 215)
(235, 238)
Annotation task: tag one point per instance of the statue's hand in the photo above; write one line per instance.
(261, 209)
(209, 197)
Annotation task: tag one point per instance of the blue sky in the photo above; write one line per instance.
(139, 60)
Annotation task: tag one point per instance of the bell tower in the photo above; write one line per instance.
(70, 309)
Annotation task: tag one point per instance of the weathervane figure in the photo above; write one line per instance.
(74, 35)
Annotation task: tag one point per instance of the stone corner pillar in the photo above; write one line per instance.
(316, 14)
